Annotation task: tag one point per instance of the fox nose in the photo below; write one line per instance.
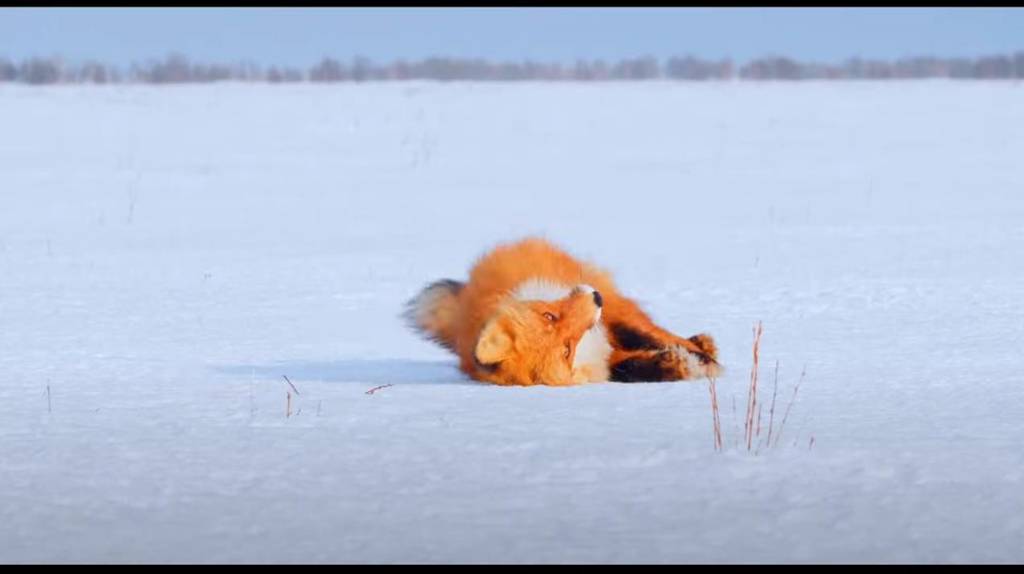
(597, 299)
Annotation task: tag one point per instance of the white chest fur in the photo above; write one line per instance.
(592, 352)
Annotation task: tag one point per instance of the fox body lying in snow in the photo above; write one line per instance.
(531, 314)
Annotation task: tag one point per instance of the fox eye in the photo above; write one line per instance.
(550, 316)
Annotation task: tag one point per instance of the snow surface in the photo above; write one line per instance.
(168, 254)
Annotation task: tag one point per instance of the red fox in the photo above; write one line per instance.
(531, 314)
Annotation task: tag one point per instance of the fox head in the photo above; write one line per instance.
(528, 342)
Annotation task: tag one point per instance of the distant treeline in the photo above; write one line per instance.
(178, 69)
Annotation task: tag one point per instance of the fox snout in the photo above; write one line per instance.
(587, 289)
(586, 300)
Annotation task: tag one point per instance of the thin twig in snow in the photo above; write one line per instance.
(291, 385)
(133, 195)
(735, 424)
(771, 409)
(760, 408)
(252, 401)
(790, 405)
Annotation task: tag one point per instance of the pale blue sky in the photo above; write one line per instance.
(301, 36)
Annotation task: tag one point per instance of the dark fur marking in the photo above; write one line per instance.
(409, 314)
(642, 369)
(450, 284)
(629, 339)
(492, 368)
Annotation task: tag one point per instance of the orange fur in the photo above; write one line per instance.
(506, 338)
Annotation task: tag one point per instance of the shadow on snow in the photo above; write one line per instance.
(356, 371)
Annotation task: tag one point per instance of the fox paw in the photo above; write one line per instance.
(691, 365)
(673, 363)
(707, 345)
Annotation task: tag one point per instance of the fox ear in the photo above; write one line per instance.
(494, 344)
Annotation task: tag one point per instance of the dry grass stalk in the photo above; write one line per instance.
(714, 412)
(771, 409)
(755, 409)
(752, 392)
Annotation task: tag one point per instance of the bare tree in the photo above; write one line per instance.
(176, 68)
(773, 68)
(93, 73)
(362, 69)
(328, 70)
(39, 71)
(690, 68)
(636, 69)
(8, 71)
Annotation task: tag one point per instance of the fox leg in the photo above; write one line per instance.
(651, 366)
(642, 351)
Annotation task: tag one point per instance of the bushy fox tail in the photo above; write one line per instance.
(433, 312)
